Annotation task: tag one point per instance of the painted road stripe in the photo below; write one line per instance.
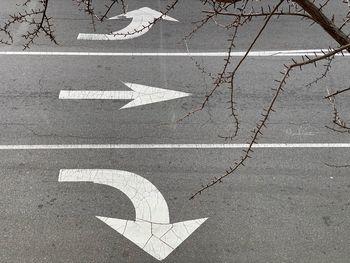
(170, 146)
(281, 53)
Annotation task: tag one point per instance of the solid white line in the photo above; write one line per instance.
(280, 53)
(170, 146)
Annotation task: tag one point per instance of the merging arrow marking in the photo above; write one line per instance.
(142, 21)
(140, 95)
(151, 230)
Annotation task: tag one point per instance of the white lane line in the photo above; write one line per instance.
(170, 146)
(280, 53)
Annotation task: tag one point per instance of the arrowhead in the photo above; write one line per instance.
(158, 240)
(148, 95)
(144, 11)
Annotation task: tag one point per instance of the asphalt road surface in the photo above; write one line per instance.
(285, 205)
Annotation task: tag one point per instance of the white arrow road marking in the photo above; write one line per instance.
(142, 21)
(140, 95)
(151, 229)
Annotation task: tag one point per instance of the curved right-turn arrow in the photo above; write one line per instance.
(151, 230)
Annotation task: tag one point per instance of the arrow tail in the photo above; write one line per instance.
(87, 36)
(96, 95)
(148, 201)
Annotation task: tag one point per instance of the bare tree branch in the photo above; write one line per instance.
(337, 93)
(267, 112)
(327, 24)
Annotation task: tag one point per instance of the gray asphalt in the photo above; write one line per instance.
(285, 205)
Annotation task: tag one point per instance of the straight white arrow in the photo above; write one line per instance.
(151, 230)
(139, 94)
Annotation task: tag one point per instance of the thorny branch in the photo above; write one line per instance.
(304, 9)
(337, 120)
(337, 166)
(327, 68)
(38, 21)
(337, 93)
(257, 132)
(237, 14)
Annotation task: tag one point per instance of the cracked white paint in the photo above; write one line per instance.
(151, 230)
(140, 95)
(142, 21)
